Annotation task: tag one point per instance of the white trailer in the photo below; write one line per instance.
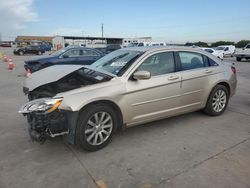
(58, 42)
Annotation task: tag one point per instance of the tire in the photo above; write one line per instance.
(217, 101)
(88, 135)
(238, 59)
(21, 52)
(39, 53)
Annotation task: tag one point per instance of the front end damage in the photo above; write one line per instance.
(44, 117)
(42, 127)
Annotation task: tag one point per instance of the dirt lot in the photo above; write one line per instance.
(192, 150)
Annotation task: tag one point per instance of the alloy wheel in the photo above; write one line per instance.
(219, 100)
(99, 128)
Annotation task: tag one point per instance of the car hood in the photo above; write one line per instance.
(57, 72)
(48, 75)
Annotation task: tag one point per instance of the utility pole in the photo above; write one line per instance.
(102, 33)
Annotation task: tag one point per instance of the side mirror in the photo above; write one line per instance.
(142, 75)
(65, 56)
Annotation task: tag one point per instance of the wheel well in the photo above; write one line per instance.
(226, 85)
(114, 106)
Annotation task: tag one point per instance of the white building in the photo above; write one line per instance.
(127, 41)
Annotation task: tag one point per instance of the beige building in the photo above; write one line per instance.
(31, 38)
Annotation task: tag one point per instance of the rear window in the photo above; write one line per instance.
(212, 62)
(191, 60)
(209, 61)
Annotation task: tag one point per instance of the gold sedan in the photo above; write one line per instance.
(127, 87)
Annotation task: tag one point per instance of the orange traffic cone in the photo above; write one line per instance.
(5, 58)
(28, 73)
(10, 64)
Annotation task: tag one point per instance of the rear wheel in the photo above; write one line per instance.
(238, 59)
(39, 53)
(95, 127)
(21, 52)
(217, 101)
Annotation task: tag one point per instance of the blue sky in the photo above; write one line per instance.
(166, 20)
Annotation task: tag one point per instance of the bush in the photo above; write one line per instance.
(220, 43)
(200, 44)
(242, 43)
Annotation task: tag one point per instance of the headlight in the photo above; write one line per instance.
(42, 106)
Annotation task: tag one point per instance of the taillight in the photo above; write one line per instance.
(233, 69)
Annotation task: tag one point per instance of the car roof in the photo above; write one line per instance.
(158, 48)
(77, 46)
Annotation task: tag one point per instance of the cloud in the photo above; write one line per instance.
(15, 14)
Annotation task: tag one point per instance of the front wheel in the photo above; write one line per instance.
(39, 53)
(217, 101)
(238, 59)
(95, 127)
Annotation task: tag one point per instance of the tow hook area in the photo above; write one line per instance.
(42, 127)
(36, 136)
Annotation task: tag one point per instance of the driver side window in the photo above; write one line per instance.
(159, 64)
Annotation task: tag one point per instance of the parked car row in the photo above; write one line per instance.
(69, 55)
(127, 87)
(221, 51)
(38, 50)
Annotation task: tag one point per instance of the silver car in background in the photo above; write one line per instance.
(127, 87)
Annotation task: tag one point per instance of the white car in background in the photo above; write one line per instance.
(228, 50)
(243, 53)
(216, 53)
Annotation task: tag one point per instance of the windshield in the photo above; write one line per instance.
(116, 62)
(220, 48)
(209, 50)
(59, 52)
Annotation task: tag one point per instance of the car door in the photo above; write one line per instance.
(28, 50)
(87, 57)
(195, 75)
(156, 97)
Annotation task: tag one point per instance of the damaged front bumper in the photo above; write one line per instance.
(42, 127)
(47, 121)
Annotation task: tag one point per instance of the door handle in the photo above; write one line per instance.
(173, 77)
(208, 71)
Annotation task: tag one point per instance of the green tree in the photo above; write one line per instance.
(219, 43)
(242, 43)
(201, 44)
